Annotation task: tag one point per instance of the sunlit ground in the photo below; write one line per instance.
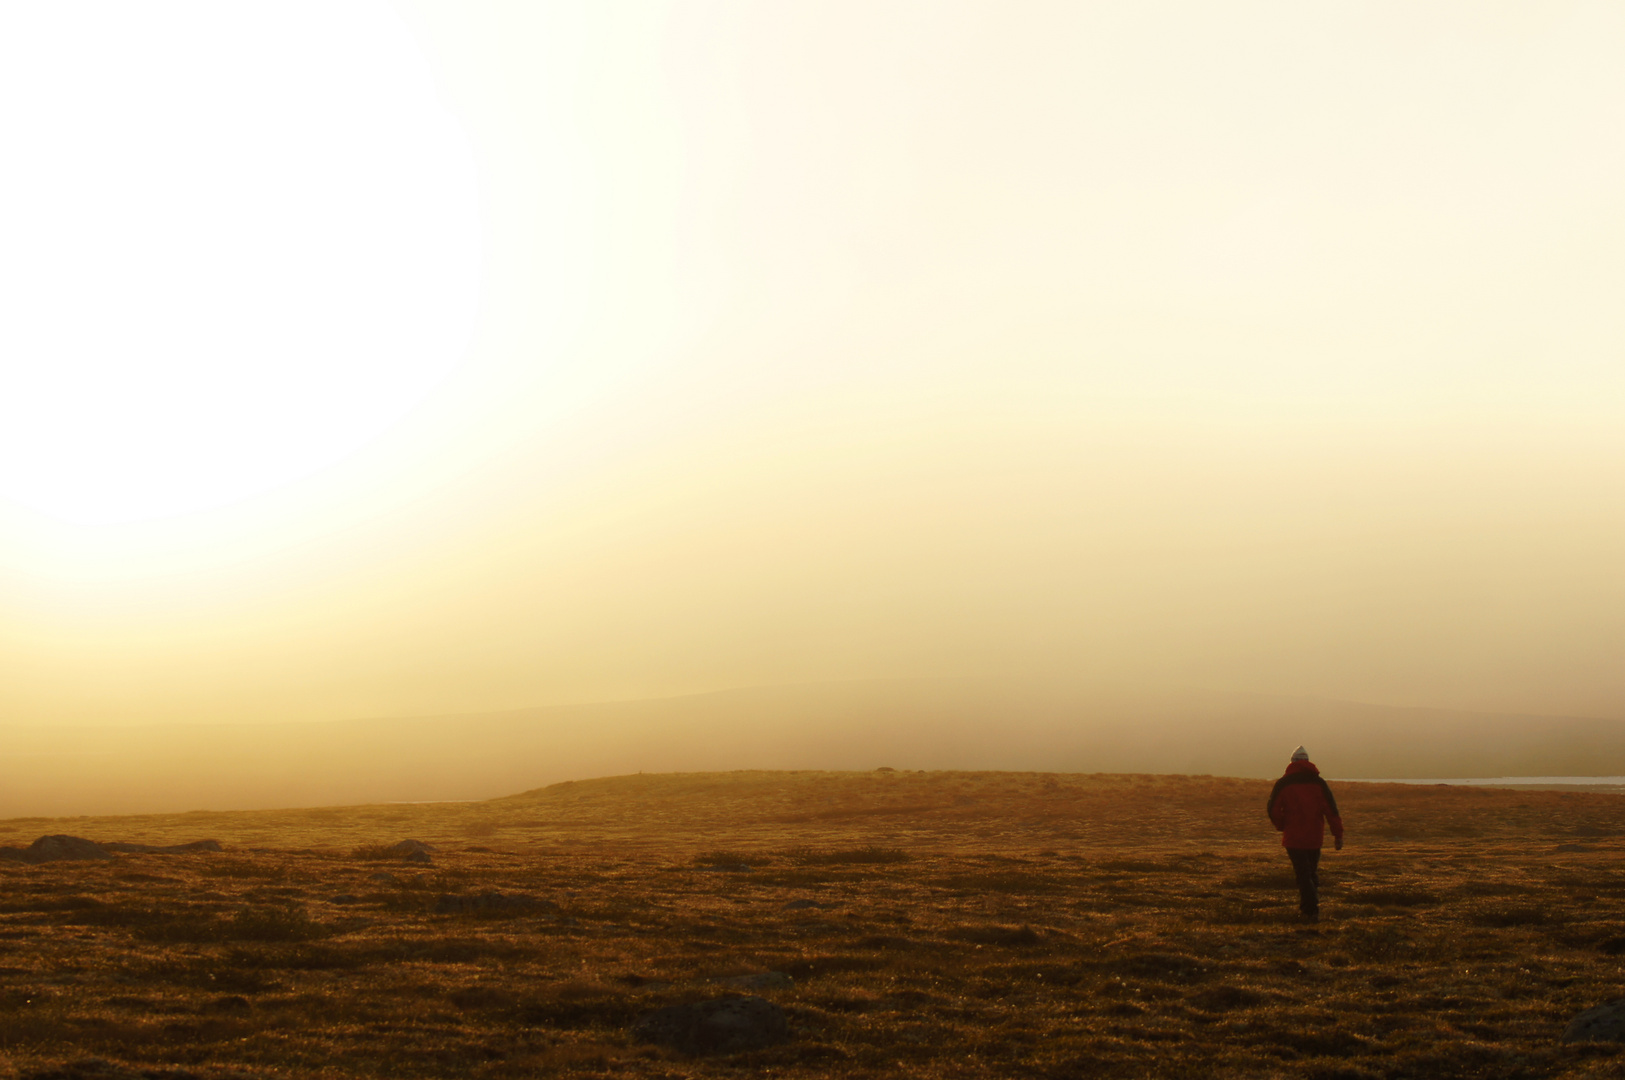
(942, 924)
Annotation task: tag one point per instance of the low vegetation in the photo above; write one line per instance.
(932, 925)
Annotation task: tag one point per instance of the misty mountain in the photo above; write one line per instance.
(940, 724)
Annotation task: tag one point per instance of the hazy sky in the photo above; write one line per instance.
(362, 360)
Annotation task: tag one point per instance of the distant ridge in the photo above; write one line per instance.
(924, 724)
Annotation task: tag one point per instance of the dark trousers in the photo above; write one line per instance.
(1306, 866)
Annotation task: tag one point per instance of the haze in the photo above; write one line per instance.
(1268, 348)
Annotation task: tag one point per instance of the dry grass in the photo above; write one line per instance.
(939, 925)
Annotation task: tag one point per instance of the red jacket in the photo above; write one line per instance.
(1301, 805)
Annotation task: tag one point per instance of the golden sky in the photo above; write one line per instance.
(570, 351)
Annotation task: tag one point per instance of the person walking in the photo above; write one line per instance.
(1301, 806)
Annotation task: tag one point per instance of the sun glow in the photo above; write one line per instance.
(237, 243)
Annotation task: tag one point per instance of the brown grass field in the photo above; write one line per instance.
(930, 924)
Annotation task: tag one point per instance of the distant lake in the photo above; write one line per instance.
(1510, 781)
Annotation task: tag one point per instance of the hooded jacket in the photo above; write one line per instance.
(1301, 806)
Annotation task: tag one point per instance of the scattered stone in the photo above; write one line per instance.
(727, 868)
(764, 980)
(101, 1069)
(412, 847)
(163, 849)
(480, 997)
(802, 905)
(491, 903)
(1225, 998)
(1575, 847)
(1604, 1023)
(56, 849)
(385, 877)
(84, 1069)
(999, 935)
(345, 898)
(720, 1026)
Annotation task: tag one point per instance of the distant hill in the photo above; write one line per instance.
(944, 724)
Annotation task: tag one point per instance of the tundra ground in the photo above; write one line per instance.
(929, 924)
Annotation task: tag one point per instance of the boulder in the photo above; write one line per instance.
(57, 849)
(491, 903)
(1603, 1023)
(762, 980)
(719, 1026)
(163, 849)
(412, 847)
(101, 1069)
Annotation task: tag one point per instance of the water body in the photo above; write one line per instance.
(1603, 782)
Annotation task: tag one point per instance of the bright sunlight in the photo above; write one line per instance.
(240, 242)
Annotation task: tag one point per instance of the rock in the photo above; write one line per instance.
(344, 898)
(412, 847)
(385, 877)
(999, 935)
(802, 905)
(101, 1069)
(1604, 1023)
(720, 1026)
(58, 849)
(163, 849)
(418, 857)
(84, 1069)
(764, 980)
(490, 903)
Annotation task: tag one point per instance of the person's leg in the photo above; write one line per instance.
(1304, 864)
(1313, 910)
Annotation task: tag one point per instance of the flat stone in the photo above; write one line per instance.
(163, 849)
(490, 903)
(412, 847)
(61, 848)
(1603, 1023)
(719, 1026)
(764, 980)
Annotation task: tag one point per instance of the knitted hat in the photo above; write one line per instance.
(1300, 754)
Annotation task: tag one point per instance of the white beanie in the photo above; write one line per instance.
(1300, 754)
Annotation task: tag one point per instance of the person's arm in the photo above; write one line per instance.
(1275, 809)
(1328, 807)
